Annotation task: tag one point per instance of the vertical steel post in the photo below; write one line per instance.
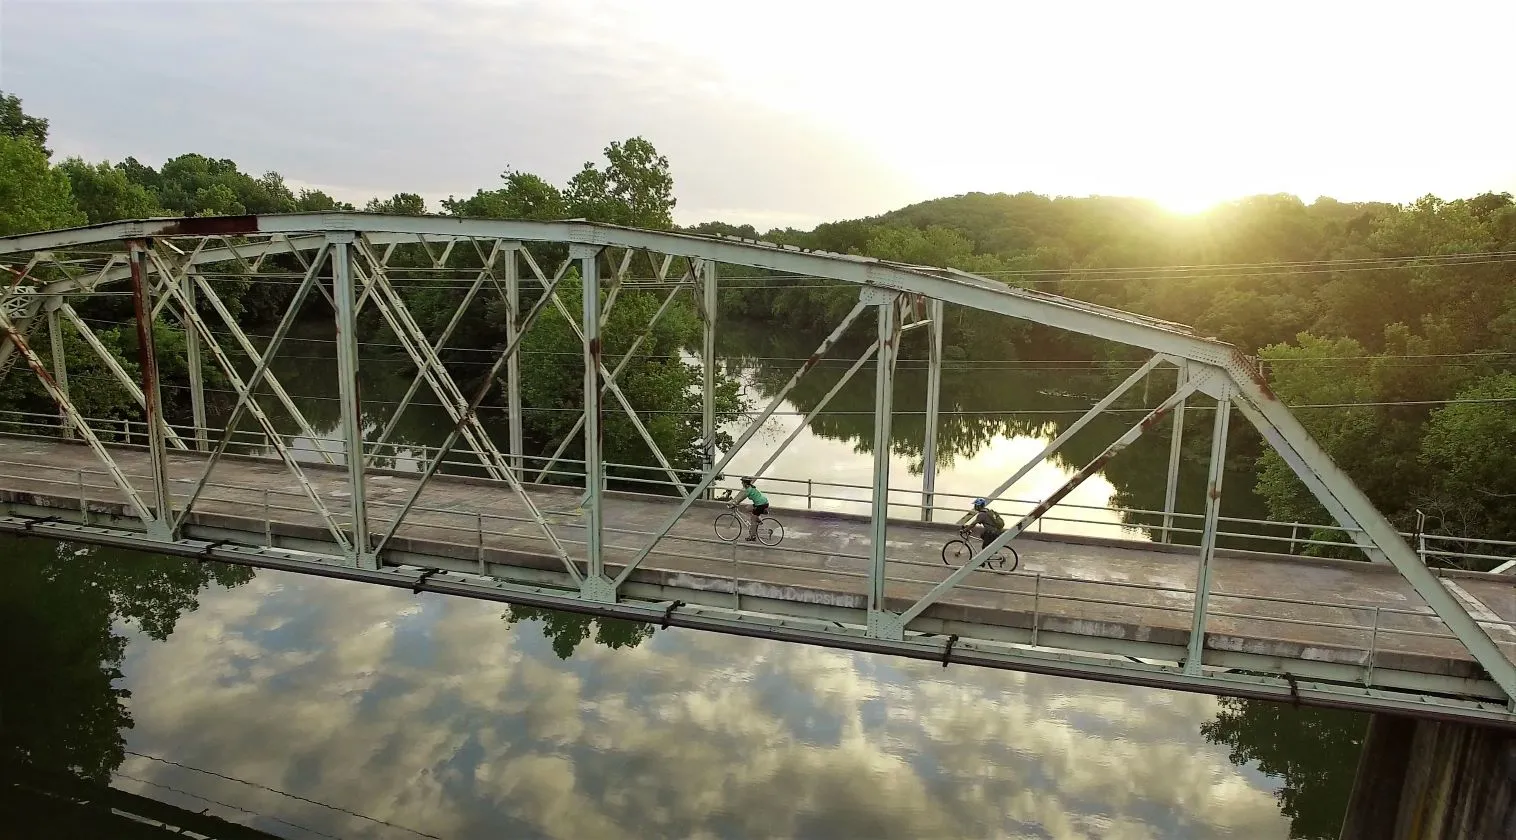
(147, 356)
(933, 398)
(348, 392)
(1176, 440)
(192, 356)
(60, 364)
(884, 391)
(1192, 659)
(708, 365)
(513, 364)
(595, 586)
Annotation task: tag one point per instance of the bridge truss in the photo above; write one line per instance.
(170, 270)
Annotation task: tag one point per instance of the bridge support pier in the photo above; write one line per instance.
(1433, 780)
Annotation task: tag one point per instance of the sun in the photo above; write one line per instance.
(1187, 202)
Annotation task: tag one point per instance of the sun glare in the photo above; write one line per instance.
(1188, 203)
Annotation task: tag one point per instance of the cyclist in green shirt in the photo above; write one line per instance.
(760, 505)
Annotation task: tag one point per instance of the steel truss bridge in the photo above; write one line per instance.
(1389, 634)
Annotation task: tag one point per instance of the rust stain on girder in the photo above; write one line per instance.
(1241, 360)
(147, 355)
(211, 226)
(26, 353)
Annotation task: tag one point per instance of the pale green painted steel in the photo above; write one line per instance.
(1194, 657)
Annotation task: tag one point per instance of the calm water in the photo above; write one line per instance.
(391, 715)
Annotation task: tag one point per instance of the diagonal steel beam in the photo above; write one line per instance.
(710, 476)
(112, 364)
(1095, 411)
(247, 401)
(397, 316)
(626, 405)
(473, 407)
(257, 358)
(604, 317)
(185, 270)
(18, 341)
(620, 366)
(60, 362)
(447, 332)
(817, 409)
(1047, 504)
(1353, 510)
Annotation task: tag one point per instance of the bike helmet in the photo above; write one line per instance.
(979, 503)
(746, 480)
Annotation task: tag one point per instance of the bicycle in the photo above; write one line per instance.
(959, 551)
(730, 526)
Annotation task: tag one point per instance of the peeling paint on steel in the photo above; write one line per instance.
(211, 226)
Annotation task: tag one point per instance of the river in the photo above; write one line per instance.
(305, 707)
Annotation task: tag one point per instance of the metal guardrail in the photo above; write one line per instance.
(1236, 532)
(474, 530)
(1376, 630)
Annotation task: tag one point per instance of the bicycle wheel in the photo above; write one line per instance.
(956, 553)
(728, 527)
(1012, 564)
(770, 532)
(1001, 564)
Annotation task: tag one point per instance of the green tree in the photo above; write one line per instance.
(399, 204)
(33, 196)
(312, 201)
(17, 124)
(106, 194)
(661, 386)
(634, 189)
(60, 708)
(1315, 752)
(524, 196)
(1470, 449)
(568, 630)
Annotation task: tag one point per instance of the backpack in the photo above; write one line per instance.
(995, 517)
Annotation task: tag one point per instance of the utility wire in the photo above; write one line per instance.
(226, 805)
(338, 808)
(955, 413)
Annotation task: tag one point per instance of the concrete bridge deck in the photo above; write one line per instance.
(1277, 614)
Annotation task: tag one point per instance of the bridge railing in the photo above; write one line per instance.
(1376, 630)
(1237, 533)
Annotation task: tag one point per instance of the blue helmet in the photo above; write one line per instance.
(979, 503)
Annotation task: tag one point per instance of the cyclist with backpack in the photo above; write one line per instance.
(991, 523)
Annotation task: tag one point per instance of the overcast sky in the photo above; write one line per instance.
(787, 112)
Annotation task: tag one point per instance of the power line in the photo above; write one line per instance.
(954, 413)
(226, 805)
(1128, 365)
(339, 808)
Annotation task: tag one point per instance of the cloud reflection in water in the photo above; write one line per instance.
(433, 713)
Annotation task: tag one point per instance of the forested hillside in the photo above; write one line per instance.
(1392, 328)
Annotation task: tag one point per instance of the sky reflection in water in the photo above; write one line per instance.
(436, 714)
